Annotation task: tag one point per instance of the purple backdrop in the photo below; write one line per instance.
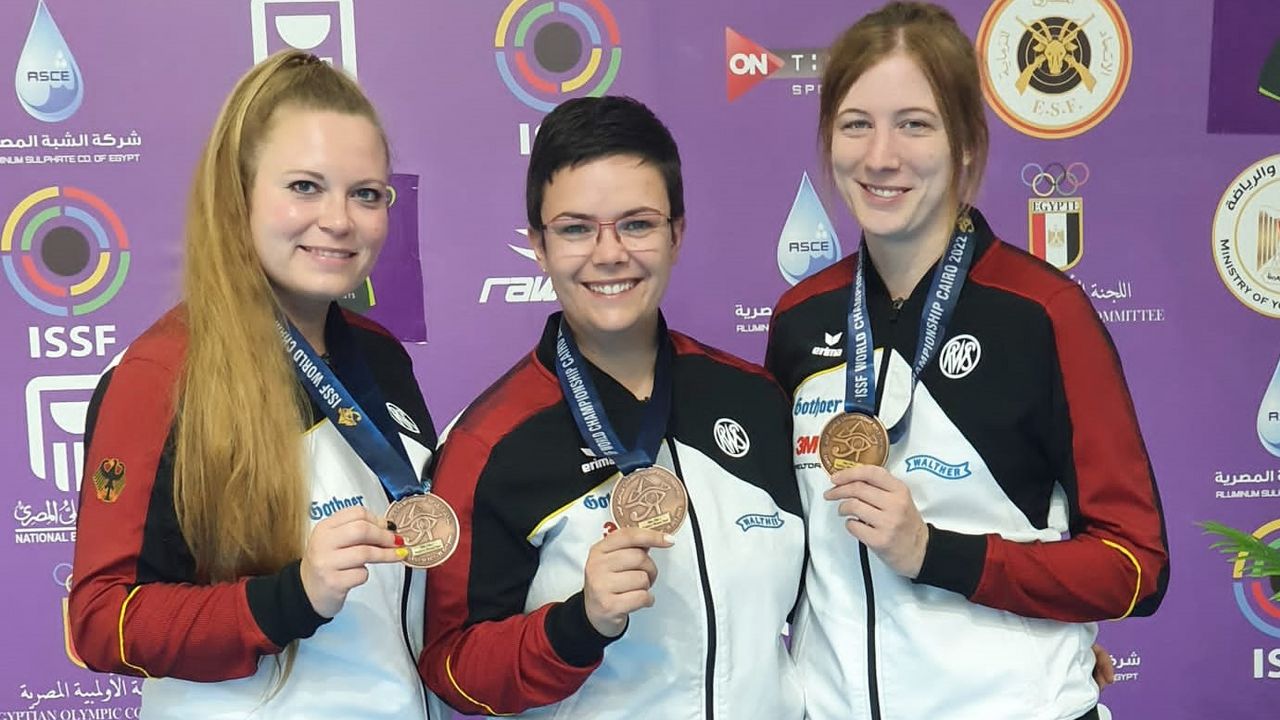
(1176, 241)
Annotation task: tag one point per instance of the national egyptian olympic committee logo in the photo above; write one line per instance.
(548, 52)
(64, 251)
(1054, 72)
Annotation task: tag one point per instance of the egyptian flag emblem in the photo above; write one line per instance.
(1056, 234)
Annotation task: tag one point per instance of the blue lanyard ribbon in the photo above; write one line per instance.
(360, 417)
(944, 292)
(588, 411)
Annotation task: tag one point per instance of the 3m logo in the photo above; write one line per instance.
(807, 445)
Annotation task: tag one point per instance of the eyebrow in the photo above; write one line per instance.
(318, 176)
(903, 111)
(627, 213)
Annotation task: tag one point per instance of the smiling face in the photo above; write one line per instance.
(609, 293)
(891, 156)
(318, 206)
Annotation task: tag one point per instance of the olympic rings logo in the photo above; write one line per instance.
(1055, 178)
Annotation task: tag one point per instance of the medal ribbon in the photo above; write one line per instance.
(944, 292)
(588, 411)
(361, 417)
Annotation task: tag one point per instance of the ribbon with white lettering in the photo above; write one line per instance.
(944, 292)
(589, 413)
(361, 417)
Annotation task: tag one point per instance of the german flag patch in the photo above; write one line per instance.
(108, 479)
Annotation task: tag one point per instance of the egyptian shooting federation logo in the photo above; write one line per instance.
(64, 251)
(1055, 216)
(548, 52)
(1246, 237)
(1052, 75)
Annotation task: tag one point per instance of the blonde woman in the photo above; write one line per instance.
(230, 547)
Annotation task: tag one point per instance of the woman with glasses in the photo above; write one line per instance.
(978, 495)
(631, 542)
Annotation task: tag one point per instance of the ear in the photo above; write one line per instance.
(966, 157)
(538, 243)
(677, 236)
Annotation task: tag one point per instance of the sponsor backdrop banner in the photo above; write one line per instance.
(1134, 145)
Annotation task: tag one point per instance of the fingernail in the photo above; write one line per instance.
(402, 552)
(391, 526)
(399, 541)
(669, 539)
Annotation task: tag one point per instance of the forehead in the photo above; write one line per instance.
(301, 135)
(895, 81)
(611, 182)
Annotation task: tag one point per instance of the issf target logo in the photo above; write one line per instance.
(64, 251)
(549, 52)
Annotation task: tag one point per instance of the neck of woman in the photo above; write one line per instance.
(903, 261)
(628, 356)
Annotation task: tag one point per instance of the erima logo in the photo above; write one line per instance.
(959, 356)
(816, 406)
(320, 511)
(944, 470)
(756, 520)
(596, 464)
(830, 350)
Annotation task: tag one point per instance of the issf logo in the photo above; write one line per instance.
(64, 251)
(548, 52)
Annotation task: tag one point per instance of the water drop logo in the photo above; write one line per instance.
(1269, 416)
(808, 242)
(48, 81)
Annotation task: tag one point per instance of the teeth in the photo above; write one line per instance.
(883, 192)
(612, 288)
(326, 253)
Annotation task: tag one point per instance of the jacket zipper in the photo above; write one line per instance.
(869, 590)
(708, 602)
(404, 630)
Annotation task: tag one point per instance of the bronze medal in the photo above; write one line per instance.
(651, 498)
(852, 439)
(429, 528)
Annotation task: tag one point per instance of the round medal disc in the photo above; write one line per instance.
(651, 498)
(429, 528)
(852, 439)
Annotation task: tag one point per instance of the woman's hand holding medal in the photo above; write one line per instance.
(336, 554)
(880, 513)
(618, 576)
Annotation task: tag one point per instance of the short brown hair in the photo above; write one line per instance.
(930, 36)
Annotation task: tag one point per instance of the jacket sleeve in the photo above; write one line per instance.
(136, 607)
(484, 654)
(1115, 562)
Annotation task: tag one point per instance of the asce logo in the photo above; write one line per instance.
(808, 241)
(48, 80)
